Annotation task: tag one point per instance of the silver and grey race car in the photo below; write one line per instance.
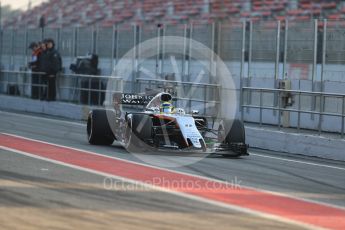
(161, 129)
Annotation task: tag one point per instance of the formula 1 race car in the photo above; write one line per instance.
(161, 127)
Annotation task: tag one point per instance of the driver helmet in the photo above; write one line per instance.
(166, 107)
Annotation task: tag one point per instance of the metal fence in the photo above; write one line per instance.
(95, 90)
(71, 88)
(271, 49)
(299, 111)
(258, 54)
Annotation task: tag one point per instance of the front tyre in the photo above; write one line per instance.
(235, 139)
(98, 128)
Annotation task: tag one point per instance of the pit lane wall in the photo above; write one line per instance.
(58, 109)
(307, 144)
(328, 147)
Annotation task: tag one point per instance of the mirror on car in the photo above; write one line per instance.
(195, 112)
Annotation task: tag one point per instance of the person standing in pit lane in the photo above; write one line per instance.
(51, 66)
(34, 65)
(43, 88)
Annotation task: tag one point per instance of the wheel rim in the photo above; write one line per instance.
(221, 134)
(128, 136)
(89, 128)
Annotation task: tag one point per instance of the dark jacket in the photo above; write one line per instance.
(51, 62)
(35, 63)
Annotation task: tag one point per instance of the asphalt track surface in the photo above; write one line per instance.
(36, 194)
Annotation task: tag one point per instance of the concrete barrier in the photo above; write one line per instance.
(60, 109)
(328, 147)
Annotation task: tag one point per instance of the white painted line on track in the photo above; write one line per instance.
(180, 194)
(297, 161)
(176, 171)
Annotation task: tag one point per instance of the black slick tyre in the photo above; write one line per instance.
(98, 128)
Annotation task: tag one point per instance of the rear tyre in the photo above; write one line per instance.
(98, 129)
